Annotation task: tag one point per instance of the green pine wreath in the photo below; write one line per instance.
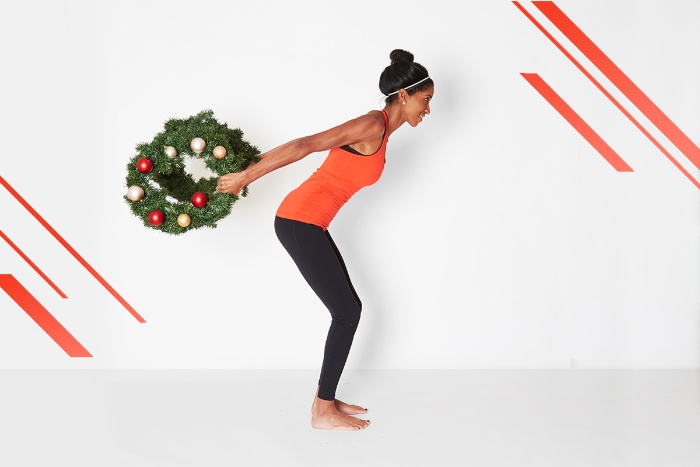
(167, 189)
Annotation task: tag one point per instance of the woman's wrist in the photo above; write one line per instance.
(248, 177)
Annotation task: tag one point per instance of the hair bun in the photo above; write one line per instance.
(399, 56)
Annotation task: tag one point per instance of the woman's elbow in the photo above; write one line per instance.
(303, 146)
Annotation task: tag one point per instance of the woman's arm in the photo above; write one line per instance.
(365, 128)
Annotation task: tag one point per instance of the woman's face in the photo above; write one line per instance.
(418, 106)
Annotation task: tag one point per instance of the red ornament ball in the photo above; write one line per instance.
(156, 217)
(199, 199)
(144, 165)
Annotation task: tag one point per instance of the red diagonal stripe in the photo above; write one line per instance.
(31, 263)
(577, 122)
(42, 317)
(621, 81)
(70, 249)
(609, 96)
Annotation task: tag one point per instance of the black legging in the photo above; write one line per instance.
(319, 261)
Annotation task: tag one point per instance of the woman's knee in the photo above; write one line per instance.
(349, 315)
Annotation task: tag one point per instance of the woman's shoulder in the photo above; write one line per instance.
(373, 121)
(376, 115)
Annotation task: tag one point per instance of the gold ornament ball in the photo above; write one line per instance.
(183, 220)
(135, 193)
(171, 152)
(198, 145)
(219, 152)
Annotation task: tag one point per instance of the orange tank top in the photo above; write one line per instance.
(342, 174)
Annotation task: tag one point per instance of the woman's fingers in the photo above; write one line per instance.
(228, 184)
(221, 186)
(228, 190)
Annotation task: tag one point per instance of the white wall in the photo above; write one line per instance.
(496, 238)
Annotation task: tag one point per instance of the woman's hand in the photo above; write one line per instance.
(232, 183)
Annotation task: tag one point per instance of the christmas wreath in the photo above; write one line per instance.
(167, 198)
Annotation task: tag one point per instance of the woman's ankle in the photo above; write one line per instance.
(323, 405)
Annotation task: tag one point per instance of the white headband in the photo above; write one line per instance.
(395, 92)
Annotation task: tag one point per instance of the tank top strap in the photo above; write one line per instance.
(386, 128)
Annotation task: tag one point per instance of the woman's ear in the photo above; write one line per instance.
(403, 96)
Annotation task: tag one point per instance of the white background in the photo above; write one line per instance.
(496, 238)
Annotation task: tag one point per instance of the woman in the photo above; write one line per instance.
(355, 160)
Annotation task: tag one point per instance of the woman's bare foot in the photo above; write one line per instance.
(325, 415)
(342, 407)
(348, 409)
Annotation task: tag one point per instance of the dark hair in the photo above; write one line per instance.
(402, 72)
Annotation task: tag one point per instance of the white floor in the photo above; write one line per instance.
(562, 418)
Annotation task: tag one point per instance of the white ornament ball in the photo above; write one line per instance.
(170, 151)
(219, 152)
(198, 145)
(135, 193)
